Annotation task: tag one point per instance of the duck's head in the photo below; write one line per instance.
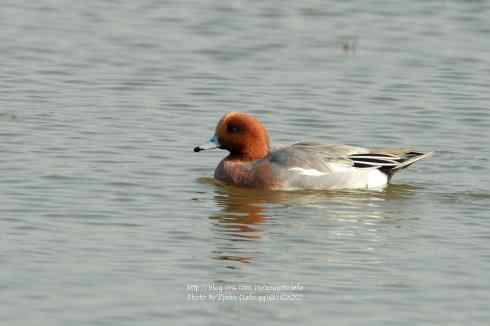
(242, 135)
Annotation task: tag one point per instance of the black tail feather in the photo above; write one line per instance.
(387, 163)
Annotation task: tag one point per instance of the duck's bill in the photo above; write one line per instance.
(212, 144)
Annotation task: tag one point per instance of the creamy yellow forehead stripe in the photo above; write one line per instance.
(229, 115)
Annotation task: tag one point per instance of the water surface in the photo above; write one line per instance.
(109, 218)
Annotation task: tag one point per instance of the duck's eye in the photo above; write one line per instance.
(233, 129)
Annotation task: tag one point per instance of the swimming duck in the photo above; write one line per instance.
(253, 163)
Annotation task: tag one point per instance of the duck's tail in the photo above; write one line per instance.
(390, 160)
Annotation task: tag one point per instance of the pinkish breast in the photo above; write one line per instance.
(254, 174)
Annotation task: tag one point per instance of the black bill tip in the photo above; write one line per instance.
(197, 149)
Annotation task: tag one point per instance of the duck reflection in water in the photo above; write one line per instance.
(239, 223)
(244, 214)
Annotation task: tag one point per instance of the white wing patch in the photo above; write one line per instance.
(309, 172)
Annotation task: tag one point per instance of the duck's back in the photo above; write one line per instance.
(318, 166)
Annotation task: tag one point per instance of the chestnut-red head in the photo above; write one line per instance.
(242, 135)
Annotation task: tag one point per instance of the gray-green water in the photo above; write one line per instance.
(109, 218)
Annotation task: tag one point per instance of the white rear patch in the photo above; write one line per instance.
(376, 179)
(310, 172)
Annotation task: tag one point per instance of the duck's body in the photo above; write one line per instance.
(253, 163)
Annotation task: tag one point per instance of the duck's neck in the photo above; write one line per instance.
(252, 153)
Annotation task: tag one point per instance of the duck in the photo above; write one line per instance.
(253, 163)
